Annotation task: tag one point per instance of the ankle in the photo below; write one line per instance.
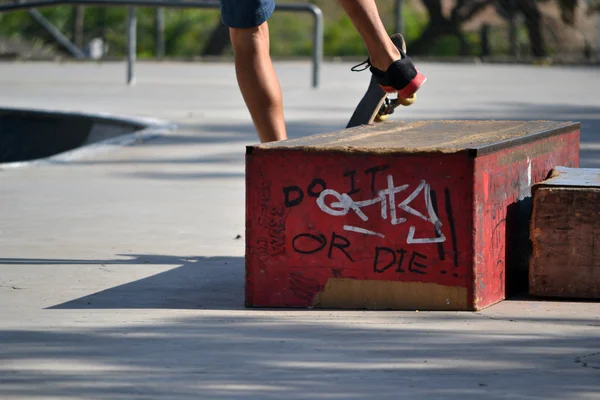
(386, 57)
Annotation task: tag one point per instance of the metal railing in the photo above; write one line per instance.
(317, 50)
(399, 16)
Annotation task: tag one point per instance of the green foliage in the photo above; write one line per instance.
(341, 39)
(12, 23)
(186, 30)
(290, 34)
(414, 23)
(449, 45)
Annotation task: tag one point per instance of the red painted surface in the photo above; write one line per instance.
(502, 209)
(316, 215)
(294, 245)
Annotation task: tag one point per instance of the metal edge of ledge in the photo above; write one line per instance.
(149, 128)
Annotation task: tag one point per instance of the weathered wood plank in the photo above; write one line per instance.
(565, 233)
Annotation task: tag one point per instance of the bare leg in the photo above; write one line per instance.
(258, 82)
(365, 17)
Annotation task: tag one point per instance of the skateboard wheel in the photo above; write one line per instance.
(381, 117)
(408, 101)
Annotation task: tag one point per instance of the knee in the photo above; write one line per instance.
(248, 38)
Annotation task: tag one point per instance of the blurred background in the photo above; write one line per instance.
(557, 31)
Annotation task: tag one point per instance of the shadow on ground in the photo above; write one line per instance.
(301, 355)
(193, 283)
(196, 283)
(263, 357)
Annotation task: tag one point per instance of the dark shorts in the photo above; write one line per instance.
(246, 13)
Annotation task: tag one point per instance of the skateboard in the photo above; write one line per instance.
(377, 105)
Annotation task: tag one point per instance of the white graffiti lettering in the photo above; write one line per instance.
(342, 203)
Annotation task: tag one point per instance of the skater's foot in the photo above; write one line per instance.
(401, 76)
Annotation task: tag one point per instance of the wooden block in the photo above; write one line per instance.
(400, 215)
(565, 232)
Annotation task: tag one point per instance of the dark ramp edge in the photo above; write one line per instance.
(27, 135)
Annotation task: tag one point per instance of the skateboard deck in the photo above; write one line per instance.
(376, 105)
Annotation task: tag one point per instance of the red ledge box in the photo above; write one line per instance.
(429, 215)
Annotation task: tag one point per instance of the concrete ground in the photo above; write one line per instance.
(121, 276)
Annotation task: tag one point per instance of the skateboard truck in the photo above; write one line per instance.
(390, 104)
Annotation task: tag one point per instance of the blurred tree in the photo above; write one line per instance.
(432, 27)
(440, 25)
(567, 8)
(443, 24)
(533, 19)
(593, 6)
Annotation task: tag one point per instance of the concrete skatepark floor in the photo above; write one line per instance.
(121, 273)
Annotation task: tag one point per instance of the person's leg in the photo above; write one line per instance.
(395, 70)
(258, 82)
(365, 17)
(256, 76)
